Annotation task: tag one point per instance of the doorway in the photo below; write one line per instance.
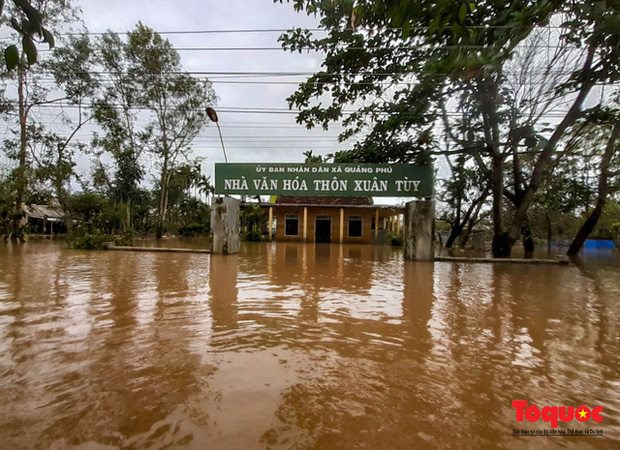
(323, 229)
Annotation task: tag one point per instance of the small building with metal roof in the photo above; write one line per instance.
(44, 219)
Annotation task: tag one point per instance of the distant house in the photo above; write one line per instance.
(332, 219)
(44, 219)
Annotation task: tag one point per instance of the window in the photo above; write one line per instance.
(291, 226)
(355, 226)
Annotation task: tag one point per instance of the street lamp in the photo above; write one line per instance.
(213, 116)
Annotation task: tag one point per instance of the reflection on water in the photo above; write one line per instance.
(200, 242)
(298, 346)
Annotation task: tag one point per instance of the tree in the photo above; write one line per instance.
(186, 211)
(564, 193)
(612, 132)
(408, 62)
(177, 101)
(252, 219)
(114, 111)
(73, 67)
(465, 193)
(311, 158)
(27, 20)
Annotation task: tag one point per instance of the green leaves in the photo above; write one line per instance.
(406, 29)
(29, 49)
(11, 56)
(47, 37)
(28, 22)
(11, 53)
(462, 12)
(34, 16)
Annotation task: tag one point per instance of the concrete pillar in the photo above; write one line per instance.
(376, 225)
(270, 223)
(225, 225)
(341, 225)
(420, 230)
(305, 224)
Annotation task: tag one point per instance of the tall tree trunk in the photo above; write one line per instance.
(601, 199)
(467, 234)
(163, 202)
(455, 232)
(499, 245)
(528, 240)
(163, 195)
(469, 217)
(473, 219)
(128, 213)
(549, 232)
(587, 227)
(23, 143)
(160, 217)
(542, 164)
(488, 94)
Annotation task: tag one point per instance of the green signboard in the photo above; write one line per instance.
(376, 180)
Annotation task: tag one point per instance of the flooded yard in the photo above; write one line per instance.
(299, 346)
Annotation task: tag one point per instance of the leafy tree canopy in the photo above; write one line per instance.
(405, 76)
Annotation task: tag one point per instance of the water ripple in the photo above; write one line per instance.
(296, 346)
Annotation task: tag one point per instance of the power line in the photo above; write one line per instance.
(258, 110)
(274, 138)
(268, 147)
(313, 30)
(225, 77)
(292, 126)
(326, 83)
(314, 49)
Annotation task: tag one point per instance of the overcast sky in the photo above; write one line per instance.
(248, 137)
(211, 37)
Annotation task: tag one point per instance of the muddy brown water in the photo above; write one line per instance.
(299, 346)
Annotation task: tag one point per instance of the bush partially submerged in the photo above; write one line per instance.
(194, 229)
(253, 235)
(86, 236)
(252, 219)
(396, 240)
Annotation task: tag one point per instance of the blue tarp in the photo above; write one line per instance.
(599, 243)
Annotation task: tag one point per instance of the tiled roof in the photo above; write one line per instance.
(322, 200)
(393, 208)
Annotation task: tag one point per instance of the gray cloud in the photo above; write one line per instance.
(242, 143)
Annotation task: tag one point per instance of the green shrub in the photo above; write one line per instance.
(84, 236)
(252, 219)
(252, 235)
(396, 239)
(194, 229)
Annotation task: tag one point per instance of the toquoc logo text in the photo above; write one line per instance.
(552, 414)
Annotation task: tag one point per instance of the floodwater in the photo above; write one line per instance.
(299, 346)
